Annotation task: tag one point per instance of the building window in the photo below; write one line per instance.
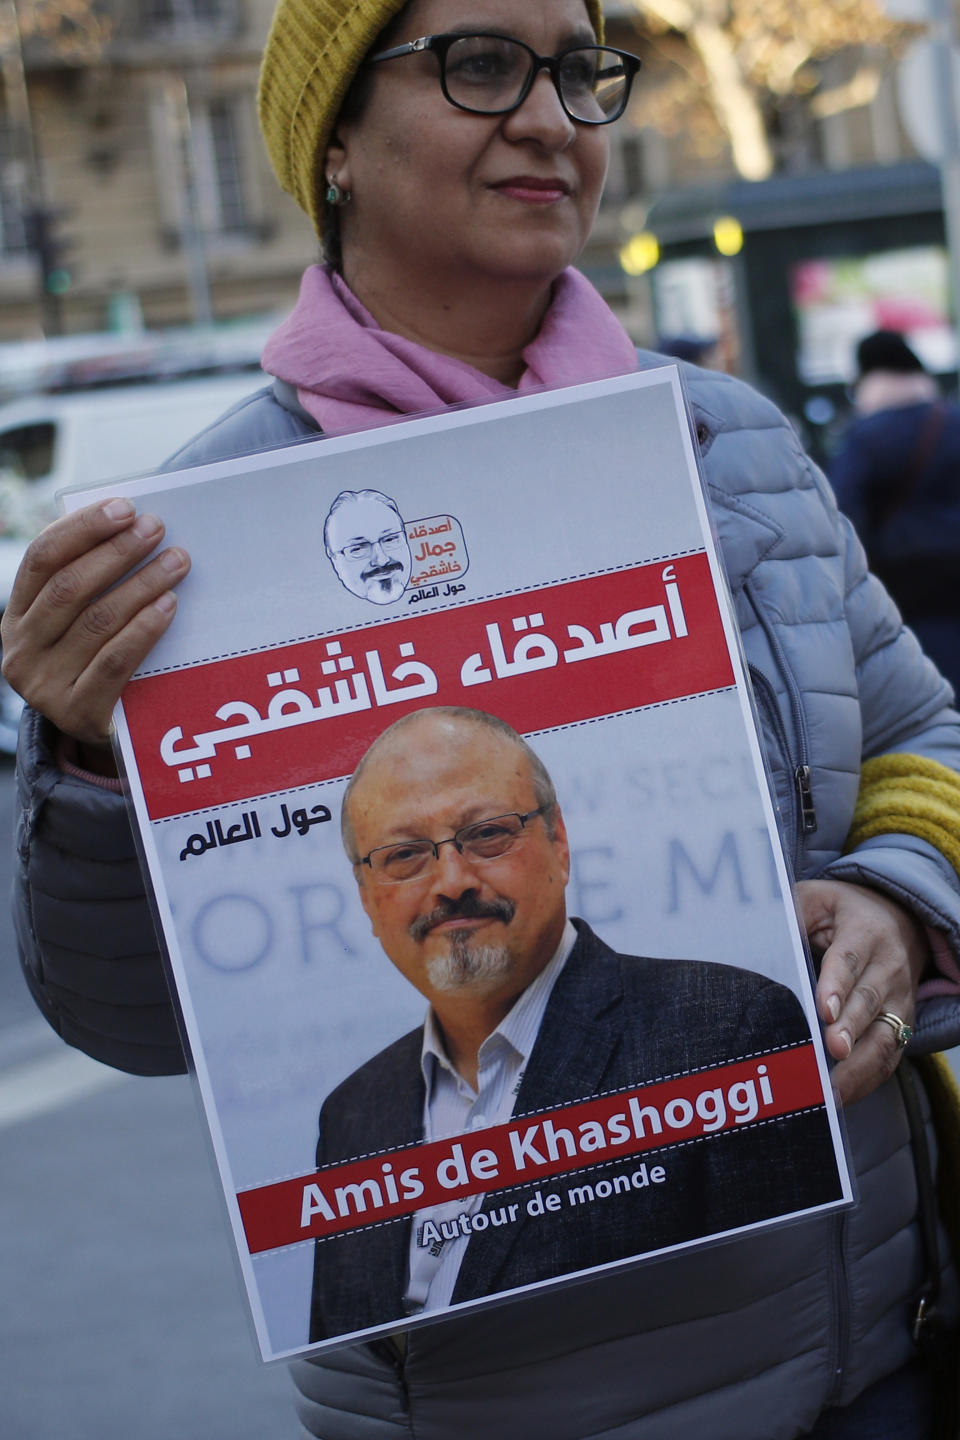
(218, 165)
(180, 17)
(13, 238)
(203, 148)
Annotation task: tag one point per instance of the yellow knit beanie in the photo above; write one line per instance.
(313, 51)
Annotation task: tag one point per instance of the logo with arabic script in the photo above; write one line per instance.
(365, 539)
(439, 558)
(376, 555)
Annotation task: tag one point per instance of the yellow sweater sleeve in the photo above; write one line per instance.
(908, 794)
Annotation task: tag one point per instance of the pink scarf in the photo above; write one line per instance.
(351, 375)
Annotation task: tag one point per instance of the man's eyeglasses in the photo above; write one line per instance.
(492, 75)
(482, 840)
(392, 543)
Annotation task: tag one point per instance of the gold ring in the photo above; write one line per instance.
(899, 1027)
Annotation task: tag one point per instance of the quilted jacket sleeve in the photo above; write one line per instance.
(906, 706)
(83, 923)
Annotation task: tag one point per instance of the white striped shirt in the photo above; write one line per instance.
(452, 1107)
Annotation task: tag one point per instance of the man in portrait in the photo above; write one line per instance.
(461, 856)
(364, 537)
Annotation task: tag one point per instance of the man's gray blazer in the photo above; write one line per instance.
(612, 1021)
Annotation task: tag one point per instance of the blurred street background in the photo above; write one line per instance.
(787, 180)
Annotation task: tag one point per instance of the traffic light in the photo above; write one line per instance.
(51, 247)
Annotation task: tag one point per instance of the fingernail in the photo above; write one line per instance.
(118, 509)
(145, 526)
(166, 603)
(844, 1037)
(173, 560)
(833, 1006)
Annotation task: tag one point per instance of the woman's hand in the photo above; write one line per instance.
(69, 647)
(874, 953)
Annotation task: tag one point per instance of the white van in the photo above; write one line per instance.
(48, 442)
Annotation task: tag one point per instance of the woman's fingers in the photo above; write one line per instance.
(874, 953)
(78, 682)
(872, 1060)
(98, 687)
(64, 540)
(107, 615)
(72, 562)
(75, 630)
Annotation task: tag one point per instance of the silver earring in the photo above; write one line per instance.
(335, 195)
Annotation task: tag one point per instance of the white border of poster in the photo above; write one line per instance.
(547, 560)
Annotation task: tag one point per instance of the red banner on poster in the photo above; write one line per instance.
(531, 1148)
(240, 726)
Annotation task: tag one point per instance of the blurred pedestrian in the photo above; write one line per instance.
(896, 472)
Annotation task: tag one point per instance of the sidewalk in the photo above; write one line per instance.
(123, 1316)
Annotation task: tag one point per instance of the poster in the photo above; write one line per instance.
(542, 1038)
(837, 300)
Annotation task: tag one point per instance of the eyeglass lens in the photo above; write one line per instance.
(486, 840)
(363, 549)
(489, 74)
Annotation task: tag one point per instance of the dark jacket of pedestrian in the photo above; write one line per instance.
(897, 476)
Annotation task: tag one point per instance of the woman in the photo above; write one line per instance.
(455, 231)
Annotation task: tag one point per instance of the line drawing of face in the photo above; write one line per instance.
(365, 539)
(477, 927)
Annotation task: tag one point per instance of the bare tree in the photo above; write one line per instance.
(733, 64)
(69, 29)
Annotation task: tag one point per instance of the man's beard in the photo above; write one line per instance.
(383, 578)
(465, 965)
(469, 967)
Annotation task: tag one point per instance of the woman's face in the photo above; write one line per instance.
(442, 197)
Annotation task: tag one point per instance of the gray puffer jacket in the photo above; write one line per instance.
(746, 1340)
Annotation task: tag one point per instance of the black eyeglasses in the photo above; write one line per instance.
(492, 75)
(483, 840)
(392, 543)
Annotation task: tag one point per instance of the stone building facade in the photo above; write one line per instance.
(148, 145)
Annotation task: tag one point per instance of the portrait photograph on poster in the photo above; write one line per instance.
(450, 791)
